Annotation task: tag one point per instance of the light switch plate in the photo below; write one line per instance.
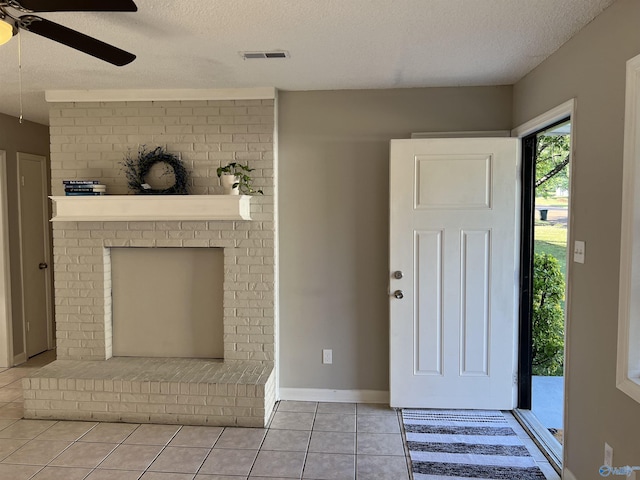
(327, 356)
(579, 251)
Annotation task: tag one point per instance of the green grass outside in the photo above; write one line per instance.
(552, 239)
(552, 202)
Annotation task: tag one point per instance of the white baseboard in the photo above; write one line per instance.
(327, 395)
(567, 475)
(18, 359)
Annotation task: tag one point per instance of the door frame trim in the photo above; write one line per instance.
(550, 117)
(626, 365)
(47, 258)
(6, 330)
(566, 109)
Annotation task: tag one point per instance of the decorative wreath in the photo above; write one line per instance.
(138, 167)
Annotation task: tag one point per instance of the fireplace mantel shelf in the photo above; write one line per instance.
(115, 208)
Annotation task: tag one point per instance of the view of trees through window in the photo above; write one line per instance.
(550, 250)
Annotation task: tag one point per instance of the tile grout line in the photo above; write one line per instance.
(253, 464)
(208, 453)
(161, 450)
(306, 452)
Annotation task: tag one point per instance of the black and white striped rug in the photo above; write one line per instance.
(460, 444)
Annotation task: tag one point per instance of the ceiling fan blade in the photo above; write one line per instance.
(79, 5)
(75, 39)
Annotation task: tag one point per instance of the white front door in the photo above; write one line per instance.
(453, 238)
(34, 249)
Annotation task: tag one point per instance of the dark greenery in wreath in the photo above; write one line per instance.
(137, 167)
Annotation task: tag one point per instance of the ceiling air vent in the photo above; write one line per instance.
(272, 54)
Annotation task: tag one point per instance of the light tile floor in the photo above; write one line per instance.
(308, 440)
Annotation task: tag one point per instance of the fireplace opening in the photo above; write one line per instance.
(167, 302)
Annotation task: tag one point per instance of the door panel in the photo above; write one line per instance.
(428, 264)
(452, 234)
(34, 252)
(472, 188)
(475, 302)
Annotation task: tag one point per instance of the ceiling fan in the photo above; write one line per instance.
(10, 23)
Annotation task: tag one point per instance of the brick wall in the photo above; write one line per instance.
(90, 140)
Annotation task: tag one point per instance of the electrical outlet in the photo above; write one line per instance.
(578, 251)
(327, 356)
(608, 455)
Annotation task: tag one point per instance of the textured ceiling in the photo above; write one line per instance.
(333, 44)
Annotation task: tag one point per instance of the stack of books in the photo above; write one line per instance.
(84, 187)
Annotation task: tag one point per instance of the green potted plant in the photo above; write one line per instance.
(235, 179)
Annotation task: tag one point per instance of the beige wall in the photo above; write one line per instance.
(591, 68)
(333, 207)
(27, 137)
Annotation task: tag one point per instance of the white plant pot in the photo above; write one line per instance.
(227, 182)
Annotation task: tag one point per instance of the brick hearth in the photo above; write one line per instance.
(157, 390)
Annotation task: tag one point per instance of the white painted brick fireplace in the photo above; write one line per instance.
(89, 139)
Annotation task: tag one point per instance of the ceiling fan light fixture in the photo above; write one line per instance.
(10, 24)
(7, 31)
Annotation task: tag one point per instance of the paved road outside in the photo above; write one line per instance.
(554, 214)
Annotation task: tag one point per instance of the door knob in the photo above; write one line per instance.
(42, 266)
(398, 294)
